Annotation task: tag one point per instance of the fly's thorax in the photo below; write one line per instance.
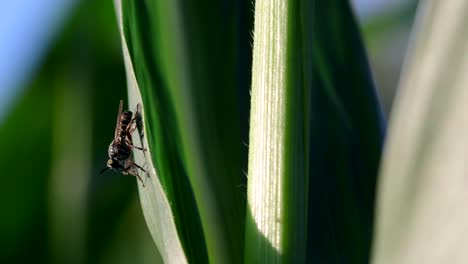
(119, 151)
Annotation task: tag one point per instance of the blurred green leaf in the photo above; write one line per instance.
(71, 146)
(346, 137)
(422, 189)
(25, 159)
(378, 28)
(46, 154)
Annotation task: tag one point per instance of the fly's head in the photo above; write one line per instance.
(114, 164)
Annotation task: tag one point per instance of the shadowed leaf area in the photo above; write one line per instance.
(346, 139)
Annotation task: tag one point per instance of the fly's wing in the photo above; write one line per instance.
(116, 133)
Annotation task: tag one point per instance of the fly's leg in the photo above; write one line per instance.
(131, 168)
(132, 126)
(128, 172)
(136, 122)
(139, 167)
(139, 178)
(130, 143)
(140, 148)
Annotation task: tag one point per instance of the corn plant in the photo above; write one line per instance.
(264, 133)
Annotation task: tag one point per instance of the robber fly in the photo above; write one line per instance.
(120, 149)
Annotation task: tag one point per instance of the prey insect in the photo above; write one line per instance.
(121, 148)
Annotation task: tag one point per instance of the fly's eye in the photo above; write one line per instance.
(109, 163)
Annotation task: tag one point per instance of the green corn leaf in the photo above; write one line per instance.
(277, 189)
(315, 136)
(190, 61)
(423, 186)
(156, 208)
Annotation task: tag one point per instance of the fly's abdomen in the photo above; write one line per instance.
(125, 120)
